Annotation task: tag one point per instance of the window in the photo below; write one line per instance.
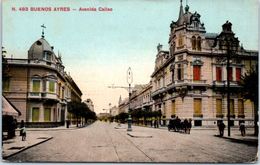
(193, 43)
(52, 86)
(219, 107)
(230, 74)
(62, 93)
(173, 75)
(196, 72)
(240, 105)
(180, 40)
(47, 56)
(36, 85)
(197, 107)
(231, 105)
(180, 72)
(6, 84)
(199, 44)
(238, 74)
(47, 114)
(218, 73)
(35, 114)
(173, 107)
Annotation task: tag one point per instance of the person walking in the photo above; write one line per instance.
(242, 128)
(23, 131)
(221, 127)
(189, 126)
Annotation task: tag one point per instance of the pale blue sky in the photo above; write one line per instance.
(98, 47)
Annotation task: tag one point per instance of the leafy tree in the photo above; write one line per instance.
(249, 83)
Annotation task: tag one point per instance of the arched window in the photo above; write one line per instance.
(193, 43)
(199, 44)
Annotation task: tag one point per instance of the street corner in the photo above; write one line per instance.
(139, 135)
(16, 145)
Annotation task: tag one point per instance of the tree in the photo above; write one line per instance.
(81, 110)
(249, 90)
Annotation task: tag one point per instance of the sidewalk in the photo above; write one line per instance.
(235, 136)
(13, 146)
(249, 139)
(16, 145)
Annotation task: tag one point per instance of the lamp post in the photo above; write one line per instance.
(228, 42)
(129, 81)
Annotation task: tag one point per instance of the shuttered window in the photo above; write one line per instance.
(35, 114)
(36, 85)
(47, 114)
(240, 107)
(196, 72)
(197, 106)
(173, 108)
(230, 74)
(219, 106)
(238, 74)
(51, 86)
(232, 110)
(218, 73)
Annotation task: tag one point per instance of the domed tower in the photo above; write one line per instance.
(187, 26)
(41, 50)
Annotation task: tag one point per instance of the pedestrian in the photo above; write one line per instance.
(189, 126)
(21, 126)
(185, 125)
(23, 131)
(242, 128)
(171, 123)
(221, 127)
(177, 123)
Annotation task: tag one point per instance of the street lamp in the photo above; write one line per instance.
(129, 81)
(230, 43)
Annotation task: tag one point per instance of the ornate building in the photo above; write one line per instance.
(39, 87)
(190, 80)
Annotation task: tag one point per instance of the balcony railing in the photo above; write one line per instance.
(34, 95)
(158, 91)
(220, 115)
(48, 95)
(198, 115)
(35, 62)
(224, 83)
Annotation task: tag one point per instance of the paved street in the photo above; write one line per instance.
(101, 142)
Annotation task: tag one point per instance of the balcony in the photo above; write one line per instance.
(224, 83)
(219, 115)
(52, 96)
(158, 92)
(34, 95)
(198, 115)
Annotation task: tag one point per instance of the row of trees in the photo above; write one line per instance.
(81, 110)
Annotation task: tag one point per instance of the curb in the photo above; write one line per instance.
(248, 142)
(148, 136)
(5, 157)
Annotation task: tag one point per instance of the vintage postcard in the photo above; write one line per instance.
(130, 81)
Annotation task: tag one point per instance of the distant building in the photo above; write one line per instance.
(90, 104)
(140, 99)
(114, 111)
(39, 87)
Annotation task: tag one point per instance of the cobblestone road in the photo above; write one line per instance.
(101, 142)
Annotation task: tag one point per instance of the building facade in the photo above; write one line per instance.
(39, 87)
(190, 80)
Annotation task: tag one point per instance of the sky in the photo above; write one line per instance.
(98, 47)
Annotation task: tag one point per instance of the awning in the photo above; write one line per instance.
(9, 108)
